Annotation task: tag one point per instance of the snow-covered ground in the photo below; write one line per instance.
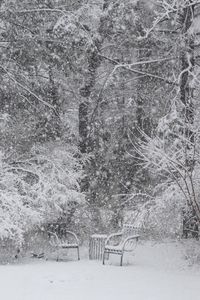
(155, 272)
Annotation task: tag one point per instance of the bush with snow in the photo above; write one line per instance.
(191, 251)
(172, 157)
(37, 189)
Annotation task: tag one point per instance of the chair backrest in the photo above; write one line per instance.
(59, 234)
(129, 229)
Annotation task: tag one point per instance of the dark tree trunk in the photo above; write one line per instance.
(187, 65)
(93, 60)
(83, 127)
(187, 61)
(86, 141)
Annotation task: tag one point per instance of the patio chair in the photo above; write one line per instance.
(68, 241)
(121, 242)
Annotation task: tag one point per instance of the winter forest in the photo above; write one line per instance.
(99, 124)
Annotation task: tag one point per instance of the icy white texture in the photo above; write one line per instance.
(155, 272)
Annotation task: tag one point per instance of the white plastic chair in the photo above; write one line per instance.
(126, 242)
(68, 241)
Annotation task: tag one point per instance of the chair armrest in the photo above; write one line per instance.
(112, 236)
(133, 237)
(74, 235)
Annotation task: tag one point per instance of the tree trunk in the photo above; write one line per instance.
(187, 65)
(187, 61)
(86, 142)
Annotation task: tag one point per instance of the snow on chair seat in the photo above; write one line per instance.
(68, 245)
(127, 243)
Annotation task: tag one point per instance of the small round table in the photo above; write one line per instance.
(96, 246)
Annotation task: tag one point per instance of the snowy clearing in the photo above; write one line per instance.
(155, 272)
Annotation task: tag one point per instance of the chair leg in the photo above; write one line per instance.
(78, 253)
(121, 260)
(103, 257)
